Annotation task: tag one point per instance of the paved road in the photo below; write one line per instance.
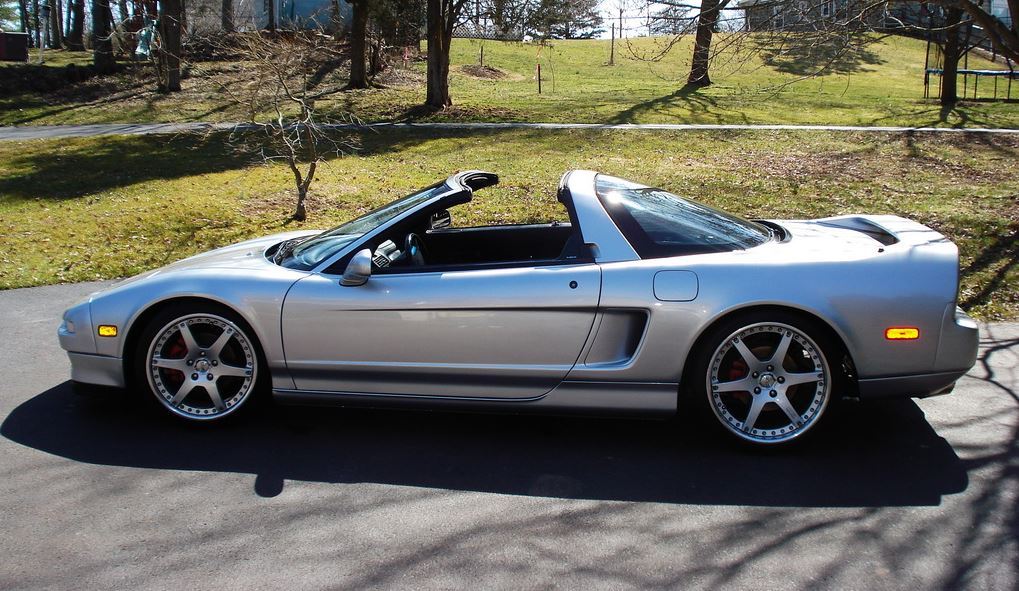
(59, 131)
(97, 495)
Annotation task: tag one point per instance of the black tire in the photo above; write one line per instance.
(223, 371)
(771, 410)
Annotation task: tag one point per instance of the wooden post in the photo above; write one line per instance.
(612, 47)
(539, 77)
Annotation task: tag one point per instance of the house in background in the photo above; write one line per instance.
(804, 15)
(306, 14)
(203, 16)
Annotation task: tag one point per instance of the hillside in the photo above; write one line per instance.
(880, 85)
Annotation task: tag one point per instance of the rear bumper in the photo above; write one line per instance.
(98, 370)
(957, 352)
(918, 386)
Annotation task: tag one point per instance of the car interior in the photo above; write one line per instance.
(432, 241)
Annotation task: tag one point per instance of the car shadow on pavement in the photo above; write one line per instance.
(869, 455)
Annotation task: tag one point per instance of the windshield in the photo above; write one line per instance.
(660, 224)
(309, 253)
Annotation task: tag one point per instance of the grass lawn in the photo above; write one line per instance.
(882, 85)
(93, 208)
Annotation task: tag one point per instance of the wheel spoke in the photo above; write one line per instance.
(163, 363)
(755, 411)
(781, 350)
(744, 385)
(791, 379)
(206, 338)
(213, 391)
(230, 370)
(189, 339)
(182, 392)
(748, 356)
(221, 342)
(783, 402)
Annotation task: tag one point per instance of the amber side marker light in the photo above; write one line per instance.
(107, 330)
(902, 333)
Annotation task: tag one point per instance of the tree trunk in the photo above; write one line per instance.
(36, 31)
(56, 37)
(438, 57)
(23, 10)
(227, 16)
(358, 34)
(271, 16)
(102, 44)
(950, 69)
(706, 22)
(169, 55)
(376, 57)
(300, 213)
(76, 36)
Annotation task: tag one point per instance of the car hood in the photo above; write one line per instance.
(248, 254)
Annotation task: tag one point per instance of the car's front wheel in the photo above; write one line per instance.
(768, 378)
(200, 365)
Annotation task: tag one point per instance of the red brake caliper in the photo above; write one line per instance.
(176, 349)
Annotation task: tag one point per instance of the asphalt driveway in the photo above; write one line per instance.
(97, 494)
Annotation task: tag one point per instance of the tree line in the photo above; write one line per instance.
(373, 22)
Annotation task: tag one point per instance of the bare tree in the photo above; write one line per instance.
(707, 20)
(227, 16)
(36, 30)
(279, 98)
(76, 36)
(26, 26)
(170, 20)
(358, 39)
(442, 18)
(56, 36)
(102, 32)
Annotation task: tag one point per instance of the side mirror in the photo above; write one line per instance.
(358, 270)
(440, 219)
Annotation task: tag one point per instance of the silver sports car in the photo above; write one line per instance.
(645, 302)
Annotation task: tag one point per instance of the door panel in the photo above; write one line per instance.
(495, 333)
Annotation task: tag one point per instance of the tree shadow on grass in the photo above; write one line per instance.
(80, 167)
(689, 99)
(820, 59)
(1003, 256)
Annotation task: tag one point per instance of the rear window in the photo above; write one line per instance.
(660, 224)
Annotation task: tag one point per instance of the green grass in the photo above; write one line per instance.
(881, 85)
(95, 208)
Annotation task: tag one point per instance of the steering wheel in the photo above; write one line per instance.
(414, 249)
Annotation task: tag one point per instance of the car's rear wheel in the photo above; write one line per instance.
(200, 365)
(768, 377)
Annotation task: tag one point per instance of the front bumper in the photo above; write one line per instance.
(99, 370)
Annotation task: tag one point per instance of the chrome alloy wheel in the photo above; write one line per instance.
(202, 366)
(768, 382)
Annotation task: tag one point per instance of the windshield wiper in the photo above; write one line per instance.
(285, 248)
